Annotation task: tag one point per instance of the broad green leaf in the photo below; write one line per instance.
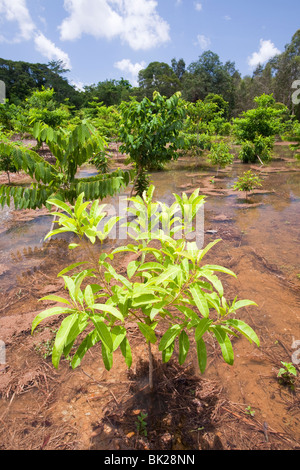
(78, 327)
(131, 268)
(108, 309)
(89, 296)
(220, 269)
(244, 329)
(189, 313)
(202, 327)
(144, 299)
(169, 337)
(62, 337)
(103, 332)
(200, 300)
(62, 205)
(184, 346)
(118, 334)
(151, 265)
(203, 252)
(107, 357)
(168, 352)
(243, 303)
(225, 344)
(70, 284)
(126, 352)
(169, 275)
(89, 341)
(201, 355)
(56, 232)
(147, 332)
(49, 313)
(55, 298)
(69, 268)
(215, 281)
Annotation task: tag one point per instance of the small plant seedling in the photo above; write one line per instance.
(247, 182)
(286, 375)
(141, 424)
(249, 411)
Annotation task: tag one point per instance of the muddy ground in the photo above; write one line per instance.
(239, 407)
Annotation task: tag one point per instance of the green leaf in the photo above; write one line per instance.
(220, 269)
(243, 303)
(201, 355)
(62, 205)
(55, 298)
(103, 332)
(48, 313)
(107, 357)
(61, 339)
(202, 327)
(244, 329)
(131, 268)
(169, 275)
(126, 352)
(225, 344)
(70, 284)
(200, 300)
(69, 268)
(184, 346)
(169, 337)
(108, 309)
(89, 341)
(118, 334)
(89, 296)
(144, 299)
(168, 352)
(147, 332)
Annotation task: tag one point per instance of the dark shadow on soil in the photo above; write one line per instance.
(178, 412)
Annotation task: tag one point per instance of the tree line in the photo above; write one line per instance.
(205, 76)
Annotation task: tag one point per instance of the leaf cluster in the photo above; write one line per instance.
(166, 284)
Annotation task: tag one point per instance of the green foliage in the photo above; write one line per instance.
(141, 424)
(247, 182)
(109, 92)
(150, 131)
(209, 75)
(105, 119)
(42, 107)
(220, 155)
(263, 120)
(167, 287)
(286, 375)
(22, 78)
(260, 148)
(257, 127)
(158, 77)
(71, 149)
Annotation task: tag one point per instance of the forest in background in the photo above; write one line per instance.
(205, 76)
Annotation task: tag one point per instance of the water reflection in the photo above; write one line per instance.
(270, 223)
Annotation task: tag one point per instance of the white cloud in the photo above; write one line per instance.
(127, 66)
(135, 22)
(17, 11)
(198, 6)
(227, 17)
(78, 85)
(48, 49)
(203, 41)
(267, 51)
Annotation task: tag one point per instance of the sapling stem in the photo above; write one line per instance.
(150, 366)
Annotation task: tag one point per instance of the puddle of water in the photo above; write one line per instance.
(271, 225)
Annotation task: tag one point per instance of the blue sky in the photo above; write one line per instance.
(110, 39)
